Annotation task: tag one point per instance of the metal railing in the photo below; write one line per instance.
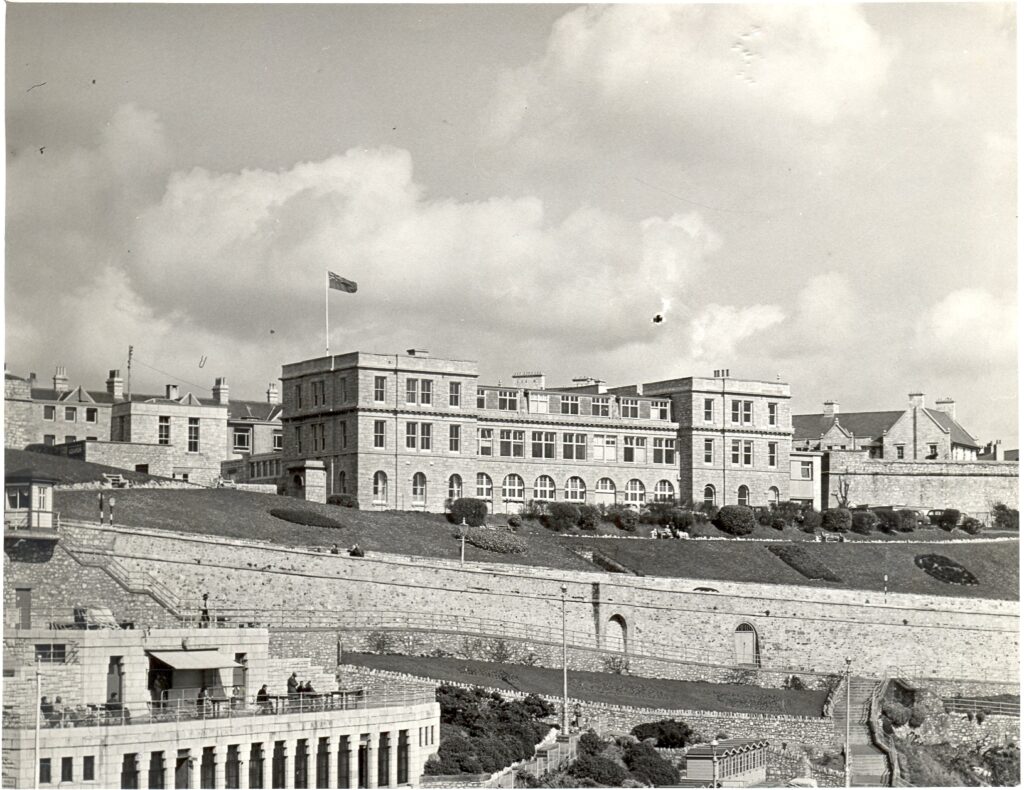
(151, 711)
(975, 705)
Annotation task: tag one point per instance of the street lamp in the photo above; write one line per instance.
(565, 672)
(714, 764)
(846, 762)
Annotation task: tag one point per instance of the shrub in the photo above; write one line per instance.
(626, 519)
(1005, 517)
(764, 517)
(789, 512)
(802, 561)
(590, 743)
(667, 733)
(515, 521)
(944, 569)
(498, 542)
(864, 522)
(532, 510)
(682, 519)
(735, 520)
(796, 683)
(896, 713)
(646, 765)
(474, 511)
(343, 500)
(888, 521)
(607, 773)
(659, 512)
(972, 526)
(306, 517)
(778, 523)
(837, 519)
(590, 517)
(561, 516)
(812, 521)
(917, 716)
(907, 520)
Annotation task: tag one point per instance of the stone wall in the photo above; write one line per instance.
(158, 459)
(970, 486)
(957, 729)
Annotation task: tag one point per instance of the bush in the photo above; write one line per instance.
(917, 716)
(607, 773)
(659, 512)
(590, 517)
(944, 569)
(343, 500)
(735, 520)
(1005, 517)
(682, 519)
(947, 519)
(306, 517)
(474, 511)
(907, 520)
(646, 765)
(972, 526)
(532, 510)
(764, 517)
(667, 733)
(561, 516)
(625, 518)
(802, 561)
(864, 522)
(836, 519)
(515, 521)
(590, 743)
(778, 523)
(790, 512)
(498, 542)
(896, 713)
(795, 683)
(812, 521)
(888, 521)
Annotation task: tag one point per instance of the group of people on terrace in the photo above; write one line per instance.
(57, 714)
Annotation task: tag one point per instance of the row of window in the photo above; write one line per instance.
(67, 770)
(742, 495)
(70, 413)
(49, 439)
(741, 412)
(270, 467)
(513, 489)
(241, 441)
(742, 452)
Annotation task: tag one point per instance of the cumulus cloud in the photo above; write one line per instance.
(968, 331)
(719, 330)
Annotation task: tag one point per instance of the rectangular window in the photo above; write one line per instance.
(604, 447)
(49, 440)
(378, 433)
(454, 393)
(736, 445)
(412, 391)
(899, 451)
(193, 434)
(163, 430)
(773, 453)
(298, 438)
(664, 451)
(240, 441)
(454, 438)
(485, 441)
(512, 443)
(319, 393)
(773, 414)
(426, 392)
(634, 449)
(70, 438)
(67, 769)
(538, 403)
(574, 446)
(426, 434)
(630, 407)
(748, 412)
(51, 653)
(599, 407)
(44, 771)
(342, 389)
(508, 400)
(70, 414)
(298, 396)
(660, 409)
(49, 412)
(481, 399)
(570, 404)
(379, 389)
(806, 470)
(411, 434)
(343, 434)
(91, 414)
(542, 444)
(89, 768)
(278, 440)
(709, 451)
(320, 436)
(748, 453)
(933, 450)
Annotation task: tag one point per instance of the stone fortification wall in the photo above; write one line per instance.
(970, 486)
(957, 729)
(812, 628)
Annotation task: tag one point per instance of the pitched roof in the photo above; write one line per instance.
(862, 424)
(956, 431)
(261, 411)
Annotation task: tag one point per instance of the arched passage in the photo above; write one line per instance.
(747, 649)
(616, 634)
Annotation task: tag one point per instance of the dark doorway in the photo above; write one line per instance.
(183, 770)
(23, 603)
(115, 678)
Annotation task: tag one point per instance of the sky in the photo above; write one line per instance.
(821, 193)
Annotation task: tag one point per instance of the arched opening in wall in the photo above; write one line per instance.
(575, 490)
(342, 483)
(743, 496)
(604, 492)
(419, 489)
(297, 482)
(773, 496)
(709, 496)
(455, 487)
(544, 489)
(664, 491)
(615, 634)
(747, 650)
(380, 488)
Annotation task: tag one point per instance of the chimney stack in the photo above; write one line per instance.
(32, 378)
(947, 405)
(172, 392)
(115, 385)
(417, 352)
(272, 394)
(830, 409)
(220, 391)
(916, 399)
(60, 379)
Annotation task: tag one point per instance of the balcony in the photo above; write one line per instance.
(31, 525)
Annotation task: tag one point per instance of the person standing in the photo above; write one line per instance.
(101, 508)
(204, 617)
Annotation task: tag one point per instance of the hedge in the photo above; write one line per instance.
(343, 500)
(836, 519)
(812, 520)
(474, 511)
(498, 542)
(305, 517)
(735, 520)
(561, 516)
(667, 733)
(625, 518)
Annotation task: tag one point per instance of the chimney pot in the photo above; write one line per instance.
(60, 379)
(115, 384)
(272, 394)
(220, 391)
(172, 392)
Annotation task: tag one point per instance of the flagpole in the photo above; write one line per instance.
(327, 320)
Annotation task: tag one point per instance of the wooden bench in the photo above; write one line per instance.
(115, 481)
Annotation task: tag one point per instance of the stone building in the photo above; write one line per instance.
(50, 416)
(410, 431)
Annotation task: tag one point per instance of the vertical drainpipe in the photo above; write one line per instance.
(723, 443)
(396, 432)
(915, 431)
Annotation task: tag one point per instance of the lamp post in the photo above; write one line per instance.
(565, 672)
(462, 532)
(846, 762)
(714, 764)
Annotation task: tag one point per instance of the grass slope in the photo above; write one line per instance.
(602, 686)
(67, 470)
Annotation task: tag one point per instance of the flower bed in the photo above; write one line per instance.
(800, 560)
(944, 569)
(306, 517)
(499, 542)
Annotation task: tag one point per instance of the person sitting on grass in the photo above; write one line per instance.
(355, 551)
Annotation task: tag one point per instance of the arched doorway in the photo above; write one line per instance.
(616, 634)
(745, 639)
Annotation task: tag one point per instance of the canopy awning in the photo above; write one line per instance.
(194, 659)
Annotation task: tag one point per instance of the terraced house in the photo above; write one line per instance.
(410, 431)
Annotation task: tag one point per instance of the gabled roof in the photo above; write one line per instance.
(956, 431)
(86, 396)
(726, 747)
(258, 411)
(862, 424)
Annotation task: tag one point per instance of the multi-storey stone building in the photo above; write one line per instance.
(410, 431)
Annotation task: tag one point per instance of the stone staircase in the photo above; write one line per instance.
(868, 765)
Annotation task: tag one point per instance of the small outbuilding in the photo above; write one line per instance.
(730, 762)
(28, 506)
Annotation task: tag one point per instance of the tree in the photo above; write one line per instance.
(842, 492)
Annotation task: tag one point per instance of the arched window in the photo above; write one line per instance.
(544, 488)
(636, 494)
(605, 486)
(342, 483)
(575, 489)
(512, 488)
(419, 489)
(455, 487)
(743, 496)
(664, 491)
(484, 486)
(709, 495)
(380, 488)
(773, 496)
(747, 653)
(615, 634)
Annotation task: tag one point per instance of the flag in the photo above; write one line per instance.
(340, 283)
